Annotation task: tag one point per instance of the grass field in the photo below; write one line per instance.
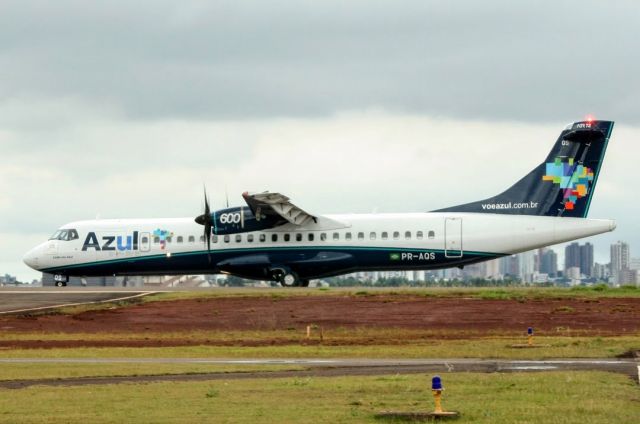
(28, 371)
(559, 347)
(565, 398)
(514, 293)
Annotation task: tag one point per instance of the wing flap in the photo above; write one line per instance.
(269, 203)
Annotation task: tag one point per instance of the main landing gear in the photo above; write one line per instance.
(288, 278)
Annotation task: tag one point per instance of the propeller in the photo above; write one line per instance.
(205, 219)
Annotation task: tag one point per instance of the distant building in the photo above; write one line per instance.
(7, 279)
(586, 259)
(619, 262)
(579, 256)
(510, 266)
(571, 256)
(548, 262)
(600, 272)
(527, 262)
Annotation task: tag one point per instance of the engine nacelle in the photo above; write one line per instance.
(241, 220)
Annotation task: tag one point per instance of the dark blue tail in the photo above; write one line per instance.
(562, 185)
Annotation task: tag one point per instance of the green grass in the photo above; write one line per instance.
(560, 347)
(27, 371)
(486, 293)
(558, 397)
(515, 293)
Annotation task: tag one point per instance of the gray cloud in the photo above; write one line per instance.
(495, 60)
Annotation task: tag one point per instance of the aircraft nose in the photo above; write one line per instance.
(31, 258)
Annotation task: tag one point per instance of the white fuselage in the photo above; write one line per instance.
(401, 241)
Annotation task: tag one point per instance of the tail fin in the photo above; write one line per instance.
(562, 185)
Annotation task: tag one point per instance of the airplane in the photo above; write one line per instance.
(272, 239)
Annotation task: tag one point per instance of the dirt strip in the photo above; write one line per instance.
(456, 316)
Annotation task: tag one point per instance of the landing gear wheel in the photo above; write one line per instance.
(304, 283)
(61, 284)
(288, 280)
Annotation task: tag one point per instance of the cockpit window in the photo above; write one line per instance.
(56, 235)
(64, 235)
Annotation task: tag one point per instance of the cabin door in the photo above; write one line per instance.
(453, 237)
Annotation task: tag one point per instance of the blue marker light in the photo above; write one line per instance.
(530, 331)
(436, 383)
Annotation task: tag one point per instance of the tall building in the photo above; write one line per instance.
(579, 256)
(510, 266)
(619, 261)
(586, 259)
(571, 256)
(548, 262)
(492, 269)
(527, 266)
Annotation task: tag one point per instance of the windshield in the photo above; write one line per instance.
(64, 235)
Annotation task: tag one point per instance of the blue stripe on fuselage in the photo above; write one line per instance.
(196, 262)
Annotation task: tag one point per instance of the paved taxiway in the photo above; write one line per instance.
(34, 299)
(322, 368)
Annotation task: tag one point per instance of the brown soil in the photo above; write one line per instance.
(459, 317)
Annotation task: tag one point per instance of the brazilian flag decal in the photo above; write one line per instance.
(394, 256)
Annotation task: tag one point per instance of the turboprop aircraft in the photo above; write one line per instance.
(273, 239)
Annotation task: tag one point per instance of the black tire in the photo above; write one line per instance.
(289, 280)
(61, 284)
(304, 283)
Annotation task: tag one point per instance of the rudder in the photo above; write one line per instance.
(563, 185)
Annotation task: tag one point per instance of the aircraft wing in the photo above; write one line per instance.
(277, 205)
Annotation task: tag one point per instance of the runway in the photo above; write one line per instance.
(38, 299)
(321, 368)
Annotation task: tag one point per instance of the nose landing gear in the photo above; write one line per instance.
(60, 280)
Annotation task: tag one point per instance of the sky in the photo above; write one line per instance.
(125, 109)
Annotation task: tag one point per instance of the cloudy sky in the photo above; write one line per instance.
(125, 109)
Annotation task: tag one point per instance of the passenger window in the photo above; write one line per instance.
(202, 239)
(336, 236)
(385, 235)
(323, 236)
(299, 237)
(419, 235)
(407, 235)
(192, 239)
(347, 236)
(145, 240)
(263, 238)
(227, 239)
(360, 236)
(156, 240)
(238, 238)
(169, 239)
(372, 236)
(432, 234)
(213, 239)
(249, 238)
(311, 236)
(287, 237)
(396, 235)
(180, 239)
(274, 238)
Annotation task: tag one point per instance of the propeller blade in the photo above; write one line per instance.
(207, 222)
